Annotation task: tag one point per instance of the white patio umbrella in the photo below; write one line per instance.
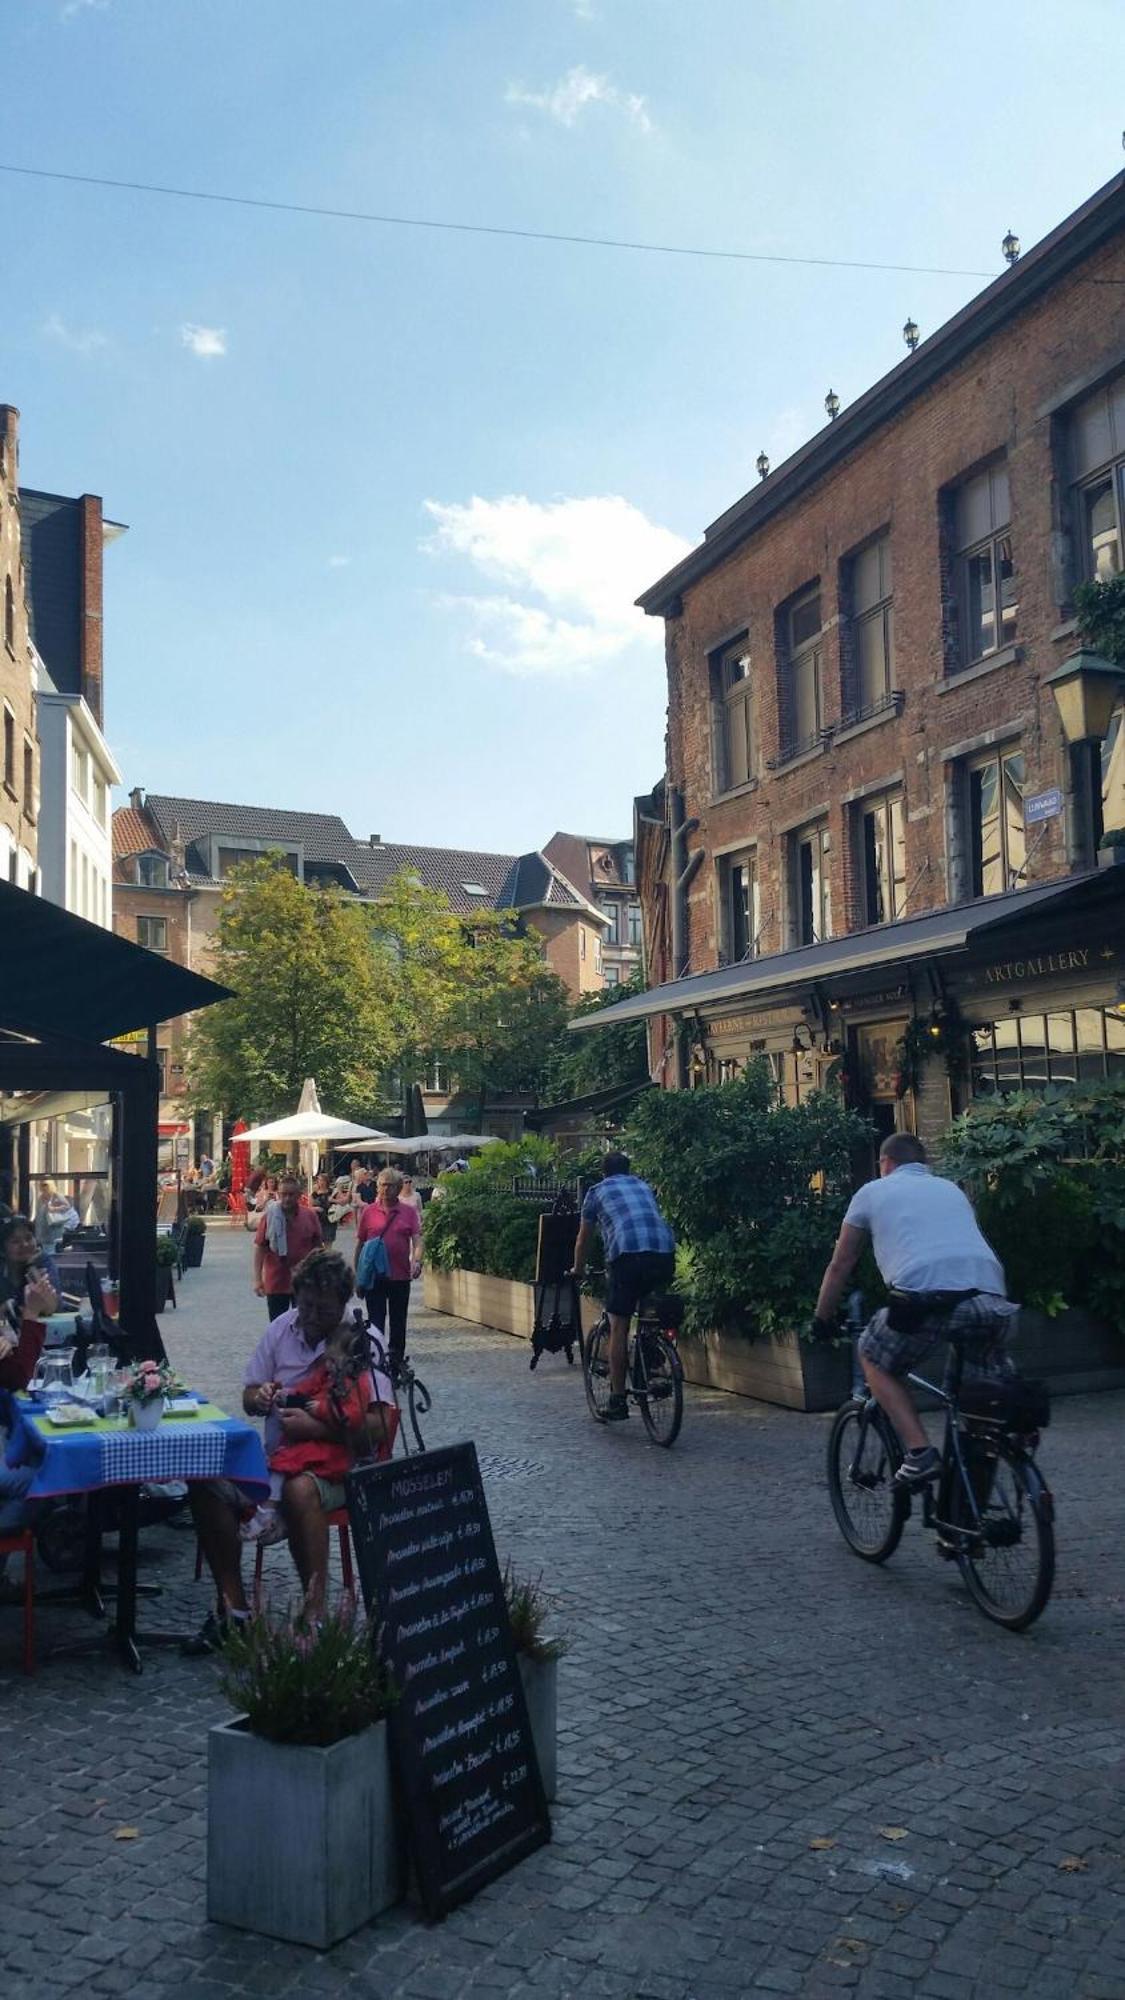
(304, 1126)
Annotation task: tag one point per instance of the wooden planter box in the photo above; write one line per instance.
(1073, 1352)
(500, 1302)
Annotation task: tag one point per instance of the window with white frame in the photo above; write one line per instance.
(810, 888)
(873, 617)
(736, 751)
(1097, 434)
(101, 798)
(997, 845)
(80, 769)
(987, 596)
(883, 857)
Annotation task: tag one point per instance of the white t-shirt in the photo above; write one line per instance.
(924, 1234)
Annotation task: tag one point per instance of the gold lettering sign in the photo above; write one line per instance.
(1040, 966)
(742, 1024)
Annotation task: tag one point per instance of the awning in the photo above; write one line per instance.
(933, 935)
(63, 975)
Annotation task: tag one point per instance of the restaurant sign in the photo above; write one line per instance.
(749, 1024)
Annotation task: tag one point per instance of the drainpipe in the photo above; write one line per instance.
(684, 869)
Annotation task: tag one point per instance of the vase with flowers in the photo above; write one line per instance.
(142, 1389)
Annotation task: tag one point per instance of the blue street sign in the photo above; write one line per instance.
(1043, 805)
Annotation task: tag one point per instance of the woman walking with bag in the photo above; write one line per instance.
(396, 1226)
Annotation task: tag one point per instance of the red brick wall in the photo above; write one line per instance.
(992, 402)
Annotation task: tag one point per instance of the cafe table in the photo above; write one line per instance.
(109, 1457)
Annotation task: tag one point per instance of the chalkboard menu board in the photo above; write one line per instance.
(470, 1780)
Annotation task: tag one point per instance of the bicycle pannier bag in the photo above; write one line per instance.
(1016, 1403)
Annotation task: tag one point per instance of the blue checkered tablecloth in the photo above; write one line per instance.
(214, 1446)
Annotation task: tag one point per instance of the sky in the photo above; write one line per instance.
(390, 491)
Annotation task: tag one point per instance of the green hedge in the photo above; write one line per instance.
(477, 1224)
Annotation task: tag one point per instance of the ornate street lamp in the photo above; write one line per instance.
(1011, 247)
(832, 405)
(1086, 690)
(763, 465)
(910, 335)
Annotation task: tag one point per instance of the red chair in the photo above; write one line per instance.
(337, 1520)
(23, 1545)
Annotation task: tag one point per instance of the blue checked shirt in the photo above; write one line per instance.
(623, 1208)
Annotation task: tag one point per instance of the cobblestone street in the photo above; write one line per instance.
(781, 1771)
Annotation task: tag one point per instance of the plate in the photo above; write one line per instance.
(67, 1415)
(181, 1406)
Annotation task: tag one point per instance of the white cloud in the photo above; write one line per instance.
(575, 93)
(204, 341)
(75, 7)
(338, 562)
(567, 572)
(80, 340)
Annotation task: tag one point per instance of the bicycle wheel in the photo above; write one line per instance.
(595, 1369)
(869, 1509)
(659, 1384)
(1009, 1562)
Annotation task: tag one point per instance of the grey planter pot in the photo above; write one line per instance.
(301, 1842)
(193, 1250)
(541, 1691)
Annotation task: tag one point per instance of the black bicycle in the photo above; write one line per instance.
(654, 1377)
(990, 1508)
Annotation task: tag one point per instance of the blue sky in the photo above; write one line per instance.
(390, 493)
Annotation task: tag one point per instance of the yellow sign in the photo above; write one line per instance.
(1040, 967)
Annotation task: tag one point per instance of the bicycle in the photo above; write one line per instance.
(654, 1376)
(990, 1507)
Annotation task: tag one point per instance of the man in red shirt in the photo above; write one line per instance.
(284, 1237)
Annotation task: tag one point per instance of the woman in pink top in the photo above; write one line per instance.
(399, 1225)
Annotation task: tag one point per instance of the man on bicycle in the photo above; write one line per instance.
(944, 1277)
(640, 1255)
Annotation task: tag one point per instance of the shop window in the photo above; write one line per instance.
(883, 840)
(810, 890)
(152, 932)
(1097, 433)
(733, 698)
(987, 600)
(996, 839)
(741, 915)
(872, 626)
(1028, 1051)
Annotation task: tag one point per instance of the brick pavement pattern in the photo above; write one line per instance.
(744, 1711)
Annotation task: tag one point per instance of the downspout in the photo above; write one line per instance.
(684, 869)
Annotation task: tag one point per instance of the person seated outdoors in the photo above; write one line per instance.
(20, 1349)
(55, 1216)
(282, 1360)
(22, 1259)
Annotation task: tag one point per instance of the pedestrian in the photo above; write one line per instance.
(399, 1226)
(323, 1204)
(55, 1216)
(410, 1194)
(285, 1235)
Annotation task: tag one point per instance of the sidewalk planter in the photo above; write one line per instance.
(301, 1841)
(194, 1239)
(541, 1691)
(503, 1303)
(773, 1368)
(1073, 1352)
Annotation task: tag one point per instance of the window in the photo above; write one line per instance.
(10, 751)
(581, 940)
(80, 769)
(611, 908)
(809, 884)
(152, 871)
(884, 859)
(152, 932)
(736, 750)
(997, 849)
(474, 889)
(439, 1080)
(742, 915)
(1097, 432)
(873, 613)
(9, 615)
(986, 582)
(613, 975)
(100, 798)
(1029, 1050)
(634, 923)
(28, 780)
(1113, 772)
(806, 703)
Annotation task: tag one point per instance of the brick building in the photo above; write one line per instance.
(603, 870)
(871, 814)
(19, 772)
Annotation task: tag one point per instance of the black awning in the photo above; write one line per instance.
(933, 935)
(62, 975)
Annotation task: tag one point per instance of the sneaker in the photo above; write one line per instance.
(919, 1467)
(617, 1409)
(265, 1527)
(208, 1639)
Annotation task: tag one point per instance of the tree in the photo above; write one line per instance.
(502, 1015)
(580, 1064)
(311, 998)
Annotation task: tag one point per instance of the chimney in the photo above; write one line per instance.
(9, 446)
(374, 840)
(90, 613)
(137, 798)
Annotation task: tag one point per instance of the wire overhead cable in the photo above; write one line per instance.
(488, 228)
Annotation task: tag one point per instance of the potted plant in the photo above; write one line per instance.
(195, 1235)
(301, 1837)
(1111, 848)
(142, 1389)
(538, 1656)
(167, 1258)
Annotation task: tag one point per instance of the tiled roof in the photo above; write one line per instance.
(323, 836)
(535, 884)
(133, 832)
(449, 869)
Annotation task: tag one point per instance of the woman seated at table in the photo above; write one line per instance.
(22, 1259)
(20, 1349)
(287, 1351)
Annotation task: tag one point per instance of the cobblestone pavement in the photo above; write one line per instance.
(745, 1711)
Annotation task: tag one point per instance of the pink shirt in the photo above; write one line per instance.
(398, 1227)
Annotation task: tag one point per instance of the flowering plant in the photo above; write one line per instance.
(146, 1380)
(302, 1681)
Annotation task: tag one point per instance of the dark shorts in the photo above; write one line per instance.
(989, 1319)
(633, 1276)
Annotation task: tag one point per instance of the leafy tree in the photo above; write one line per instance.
(503, 1015)
(311, 998)
(580, 1064)
(421, 945)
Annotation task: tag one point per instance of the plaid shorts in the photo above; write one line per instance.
(989, 1318)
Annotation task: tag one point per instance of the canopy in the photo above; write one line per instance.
(304, 1126)
(428, 1142)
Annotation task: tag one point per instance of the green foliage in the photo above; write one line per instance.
(581, 1064)
(1046, 1172)
(1100, 609)
(194, 1225)
(300, 1682)
(477, 1224)
(755, 1194)
(309, 999)
(503, 1013)
(529, 1609)
(167, 1254)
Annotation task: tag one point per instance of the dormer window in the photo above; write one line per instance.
(152, 871)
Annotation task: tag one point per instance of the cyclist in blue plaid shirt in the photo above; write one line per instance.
(640, 1256)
